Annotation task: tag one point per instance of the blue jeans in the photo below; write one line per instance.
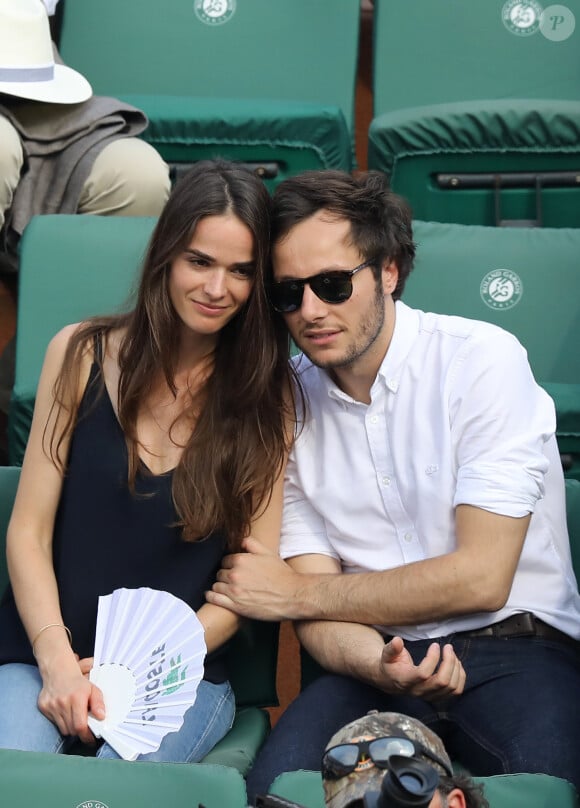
(519, 712)
(23, 726)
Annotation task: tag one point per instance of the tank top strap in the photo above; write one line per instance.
(98, 347)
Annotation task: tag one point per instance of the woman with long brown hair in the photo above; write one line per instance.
(158, 443)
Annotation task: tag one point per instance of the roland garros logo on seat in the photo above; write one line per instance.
(214, 12)
(521, 18)
(92, 804)
(501, 289)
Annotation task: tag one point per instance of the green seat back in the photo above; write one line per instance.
(502, 791)
(466, 52)
(236, 80)
(573, 518)
(482, 97)
(252, 660)
(71, 267)
(9, 476)
(522, 279)
(67, 781)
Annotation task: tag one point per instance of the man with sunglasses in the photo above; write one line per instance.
(360, 755)
(427, 562)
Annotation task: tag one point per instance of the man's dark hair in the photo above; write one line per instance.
(380, 220)
(472, 791)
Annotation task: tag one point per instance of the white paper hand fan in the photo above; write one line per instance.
(149, 655)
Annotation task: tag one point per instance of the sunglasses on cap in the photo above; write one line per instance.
(332, 287)
(338, 761)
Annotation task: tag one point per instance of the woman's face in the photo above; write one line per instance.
(211, 279)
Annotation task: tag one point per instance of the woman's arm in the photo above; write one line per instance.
(66, 696)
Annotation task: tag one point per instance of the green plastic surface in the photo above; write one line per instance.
(266, 51)
(448, 51)
(477, 94)
(414, 145)
(31, 779)
(502, 791)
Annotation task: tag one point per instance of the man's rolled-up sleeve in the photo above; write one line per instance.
(501, 420)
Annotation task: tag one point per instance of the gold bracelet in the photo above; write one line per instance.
(50, 625)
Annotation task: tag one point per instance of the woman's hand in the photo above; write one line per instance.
(67, 697)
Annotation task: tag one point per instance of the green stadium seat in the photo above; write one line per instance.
(522, 279)
(267, 82)
(483, 125)
(9, 476)
(573, 518)
(62, 781)
(502, 791)
(71, 267)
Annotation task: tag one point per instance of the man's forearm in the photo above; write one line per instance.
(350, 649)
(433, 589)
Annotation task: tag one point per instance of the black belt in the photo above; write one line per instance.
(524, 624)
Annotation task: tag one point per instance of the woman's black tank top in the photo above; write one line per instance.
(106, 537)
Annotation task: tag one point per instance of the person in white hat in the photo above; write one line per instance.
(53, 155)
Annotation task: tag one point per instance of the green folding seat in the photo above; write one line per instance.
(71, 267)
(252, 657)
(502, 791)
(573, 519)
(482, 124)
(31, 779)
(267, 82)
(9, 476)
(522, 279)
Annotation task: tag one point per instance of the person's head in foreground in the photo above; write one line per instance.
(385, 760)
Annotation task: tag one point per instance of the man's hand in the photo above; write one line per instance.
(257, 583)
(438, 675)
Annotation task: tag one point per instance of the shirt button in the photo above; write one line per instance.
(386, 480)
(408, 537)
(374, 419)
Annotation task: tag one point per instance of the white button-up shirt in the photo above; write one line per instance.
(455, 417)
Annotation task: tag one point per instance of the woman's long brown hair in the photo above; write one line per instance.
(236, 450)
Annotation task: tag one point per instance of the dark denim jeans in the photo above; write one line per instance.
(519, 712)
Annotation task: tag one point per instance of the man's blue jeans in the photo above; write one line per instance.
(519, 712)
(23, 726)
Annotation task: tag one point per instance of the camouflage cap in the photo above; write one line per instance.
(350, 790)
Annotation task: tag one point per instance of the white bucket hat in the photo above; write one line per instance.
(27, 66)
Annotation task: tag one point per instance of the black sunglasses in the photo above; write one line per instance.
(332, 287)
(338, 761)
